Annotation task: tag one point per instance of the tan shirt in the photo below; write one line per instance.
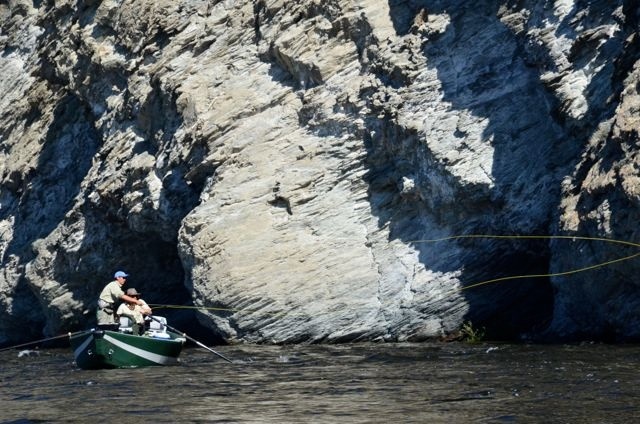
(144, 308)
(112, 292)
(135, 314)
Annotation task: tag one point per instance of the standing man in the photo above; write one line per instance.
(111, 293)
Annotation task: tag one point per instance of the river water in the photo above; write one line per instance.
(352, 383)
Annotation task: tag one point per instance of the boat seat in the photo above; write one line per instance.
(158, 329)
(126, 325)
(161, 326)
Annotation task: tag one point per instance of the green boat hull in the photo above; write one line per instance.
(100, 349)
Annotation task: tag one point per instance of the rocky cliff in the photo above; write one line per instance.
(302, 170)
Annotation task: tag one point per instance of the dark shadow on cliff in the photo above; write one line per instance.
(481, 74)
(602, 302)
(101, 236)
(46, 193)
(484, 72)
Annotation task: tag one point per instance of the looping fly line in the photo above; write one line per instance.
(482, 283)
(541, 237)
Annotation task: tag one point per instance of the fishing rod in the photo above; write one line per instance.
(191, 338)
(208, 308)
(482, 283)
(455, 290)
(40, 341)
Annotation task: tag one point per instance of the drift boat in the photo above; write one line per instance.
(117, 347)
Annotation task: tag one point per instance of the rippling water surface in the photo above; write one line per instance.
(355, 383)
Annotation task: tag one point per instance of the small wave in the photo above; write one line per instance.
(28, 352)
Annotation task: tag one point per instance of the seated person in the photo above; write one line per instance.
(135, 311)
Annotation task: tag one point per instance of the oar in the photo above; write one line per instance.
(39, 341)
(191, 338)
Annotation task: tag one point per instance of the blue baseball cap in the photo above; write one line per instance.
(120, 274)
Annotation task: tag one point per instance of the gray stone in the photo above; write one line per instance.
(303, 171)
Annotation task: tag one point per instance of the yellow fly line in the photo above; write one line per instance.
(540, 237)
(482, 283)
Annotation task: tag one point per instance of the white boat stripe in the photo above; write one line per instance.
(153, 357)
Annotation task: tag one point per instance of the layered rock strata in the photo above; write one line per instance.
(302, 171)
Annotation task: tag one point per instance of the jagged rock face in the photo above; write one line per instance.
(300, 170)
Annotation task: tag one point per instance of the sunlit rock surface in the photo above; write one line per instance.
(302, 171)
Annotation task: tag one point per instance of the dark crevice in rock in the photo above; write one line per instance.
(157, 118)
(64, 160)
(281, 202)
(259, 9)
